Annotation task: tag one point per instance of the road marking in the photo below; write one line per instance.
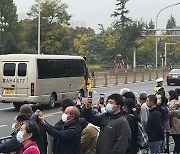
(46, 116)
(6, 108)
(2, 126)
(52, 114)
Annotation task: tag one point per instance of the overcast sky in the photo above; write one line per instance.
(94, 12)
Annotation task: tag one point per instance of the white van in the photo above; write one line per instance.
(43, 79)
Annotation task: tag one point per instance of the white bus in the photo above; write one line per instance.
(42, 79)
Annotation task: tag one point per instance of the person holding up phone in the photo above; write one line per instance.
(115, 132)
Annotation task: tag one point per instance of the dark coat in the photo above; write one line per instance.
(41, 141)
(133, 123)
(82, 122)
(11, 145)
(114, 132)
(154, 127)
(69, 137)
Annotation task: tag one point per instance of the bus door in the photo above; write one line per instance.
(15, 81)
(22, 79)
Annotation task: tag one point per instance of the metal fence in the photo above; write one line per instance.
(123, 77)
(4, 139)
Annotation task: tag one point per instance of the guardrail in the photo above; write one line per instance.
(4, 139)
(124, 77)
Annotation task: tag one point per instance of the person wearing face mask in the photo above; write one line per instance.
(64, 104)
(27, 135)
(13, 145)
(114, 136)
(68, 134)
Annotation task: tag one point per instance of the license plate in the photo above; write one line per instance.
(175, 76)
(9, 91)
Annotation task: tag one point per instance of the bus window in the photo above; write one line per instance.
(22, 67)
(59, 68)
(9, 69)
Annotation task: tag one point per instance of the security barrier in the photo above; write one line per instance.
(124, 77)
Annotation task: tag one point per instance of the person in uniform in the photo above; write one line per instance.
(159, 86)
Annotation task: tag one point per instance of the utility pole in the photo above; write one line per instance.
(156, 28)
(39, 28)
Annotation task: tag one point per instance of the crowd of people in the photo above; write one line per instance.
(103, 127)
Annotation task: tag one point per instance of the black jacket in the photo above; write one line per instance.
(11, 145)
(114, 132)
(82, 122)
(133, 123)
(41, 141)
(154, 127)
(69, 137)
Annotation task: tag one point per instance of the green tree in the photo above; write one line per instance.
(146, 47)
(171, 24)
(10, 46)
(9, 12)
(81, 44)
(121, 13)
(54, 29)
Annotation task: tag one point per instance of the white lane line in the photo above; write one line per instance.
(2, 126)
(6, 108)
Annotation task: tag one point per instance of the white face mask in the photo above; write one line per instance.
(20, 136)
(64, 117)
(109, 108)
(158, 101)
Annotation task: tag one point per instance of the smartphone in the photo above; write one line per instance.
(101, 100)
(90, 97)
(90, 94)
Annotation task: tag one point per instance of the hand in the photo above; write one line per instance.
(78, 102)
(88, 103)
(41, 117)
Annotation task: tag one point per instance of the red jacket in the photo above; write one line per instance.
(31, 148)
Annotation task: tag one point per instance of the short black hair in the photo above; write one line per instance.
(177, 90)
(118, 99)
(173, 95)
(152, 98)
(66, 102)
(22, 117)
(129, 94)
(31, 127)
(130, 104)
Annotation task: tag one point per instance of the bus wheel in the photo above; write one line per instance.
(52, 102)
(17, 105)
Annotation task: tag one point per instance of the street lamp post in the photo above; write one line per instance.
(39, 28)
(165, 52)
(156, 26)
(2, 25)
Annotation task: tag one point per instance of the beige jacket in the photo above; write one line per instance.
(175, 129)
(89, 138)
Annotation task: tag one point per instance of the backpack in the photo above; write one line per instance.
(142, 139)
